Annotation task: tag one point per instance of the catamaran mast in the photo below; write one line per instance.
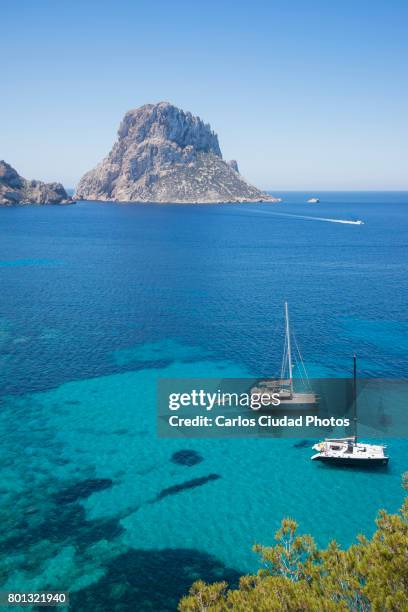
(355, 398)
(288, 346)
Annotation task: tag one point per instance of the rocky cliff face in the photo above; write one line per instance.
(14, 189)
(166, 155)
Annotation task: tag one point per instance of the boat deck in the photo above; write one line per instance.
(347, 449)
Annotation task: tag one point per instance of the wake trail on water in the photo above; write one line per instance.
(308, 218)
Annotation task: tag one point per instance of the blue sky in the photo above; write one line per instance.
(304, 94)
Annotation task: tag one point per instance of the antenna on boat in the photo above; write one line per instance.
(355, 397)
(288, 346)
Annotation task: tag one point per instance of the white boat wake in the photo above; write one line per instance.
(347, 221)
(308, 218)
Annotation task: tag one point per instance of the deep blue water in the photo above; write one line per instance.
(98, 301)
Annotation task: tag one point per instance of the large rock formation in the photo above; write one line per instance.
(14, 189)
(166, 155)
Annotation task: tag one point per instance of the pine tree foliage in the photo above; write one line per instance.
(369, 576)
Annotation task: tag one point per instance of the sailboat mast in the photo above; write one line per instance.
(355, 398)
(288, 346)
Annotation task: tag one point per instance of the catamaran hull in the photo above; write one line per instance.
(350, 461)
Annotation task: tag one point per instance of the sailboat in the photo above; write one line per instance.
(284, 387)
(349, 451)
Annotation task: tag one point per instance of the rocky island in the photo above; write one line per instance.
(14, 189)
(166, 155)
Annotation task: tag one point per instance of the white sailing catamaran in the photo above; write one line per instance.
(284, 387)
(349, 451)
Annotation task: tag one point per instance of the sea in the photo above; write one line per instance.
(99, 301)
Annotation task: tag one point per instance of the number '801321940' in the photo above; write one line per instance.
(44, 598)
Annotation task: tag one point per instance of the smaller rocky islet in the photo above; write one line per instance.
(16, 190)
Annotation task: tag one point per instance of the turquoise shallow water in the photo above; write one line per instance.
(100, 301)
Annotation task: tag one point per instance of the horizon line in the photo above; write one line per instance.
(405, 190)
(300, 190)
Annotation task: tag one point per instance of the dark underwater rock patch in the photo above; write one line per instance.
(302, 444)
(61, 461)
(186, 457)
(188, 484)
(64, 524)
(82, 489)
(151, 580)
